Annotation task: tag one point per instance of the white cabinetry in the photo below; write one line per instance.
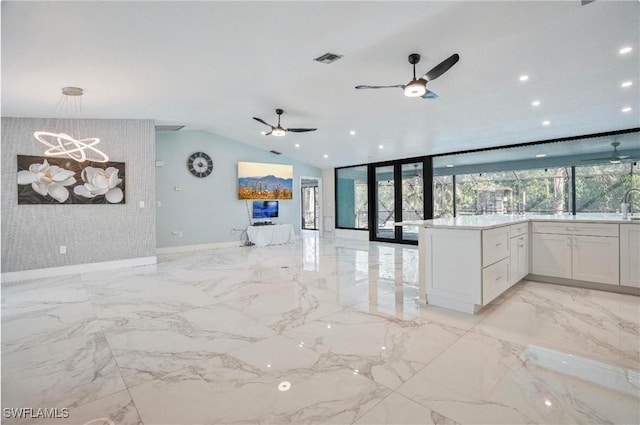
(465, 269)
(519, 256)
(630, 255)
(551, 255)
(587, 252)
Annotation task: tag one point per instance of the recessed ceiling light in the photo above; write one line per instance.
(297, 145)
(524, 77)
(326, 156)
(449, 165)
(626, 84)
(541, 155)
(380, 146)
(626, 109)
(625, 50)
(535, 103)
(352, 132)
(546, 122)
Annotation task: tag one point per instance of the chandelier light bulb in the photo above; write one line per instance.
(278, 132)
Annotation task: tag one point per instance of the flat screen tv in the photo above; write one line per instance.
(265, 209)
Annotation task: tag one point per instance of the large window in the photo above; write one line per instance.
(542, 178)
(600, 188)
(352, 203)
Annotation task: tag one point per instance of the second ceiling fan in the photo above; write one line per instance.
(278, 130)
(418, 86)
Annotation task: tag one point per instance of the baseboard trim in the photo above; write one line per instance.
(629, 290)
(199, 247)
(75, 269)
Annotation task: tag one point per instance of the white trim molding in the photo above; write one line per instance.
(75, 269)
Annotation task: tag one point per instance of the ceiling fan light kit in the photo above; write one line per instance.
(280, 131)
(417, 87)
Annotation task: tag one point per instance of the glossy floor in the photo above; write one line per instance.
(319, 331)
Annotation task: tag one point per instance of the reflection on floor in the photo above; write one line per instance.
(319, 331)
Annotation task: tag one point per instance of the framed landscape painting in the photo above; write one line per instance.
(264, 181)
(46, 180)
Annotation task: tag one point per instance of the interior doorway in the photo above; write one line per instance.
(310, 192)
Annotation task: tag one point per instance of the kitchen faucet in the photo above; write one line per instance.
(625, 198)
(624, 205)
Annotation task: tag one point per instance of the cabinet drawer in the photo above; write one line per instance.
(587, 229)
(495, 245)
(495, 280)
(519, 229)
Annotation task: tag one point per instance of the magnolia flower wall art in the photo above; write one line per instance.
(43, 180)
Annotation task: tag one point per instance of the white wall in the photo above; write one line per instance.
(328, 202)
(207, 209)
(32, 234)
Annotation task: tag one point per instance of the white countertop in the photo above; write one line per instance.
(496, 220)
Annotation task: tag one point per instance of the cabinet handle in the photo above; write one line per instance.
(498, 278)
(498, 244)
(521, 246)
(521, 238)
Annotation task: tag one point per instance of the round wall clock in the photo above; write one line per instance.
(200, 164)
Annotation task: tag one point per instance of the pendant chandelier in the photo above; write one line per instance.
(67, 140)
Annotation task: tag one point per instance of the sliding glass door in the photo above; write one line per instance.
(385, 208)
(398, 194)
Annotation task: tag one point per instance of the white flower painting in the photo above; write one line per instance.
(44, 180)
(48, 180)
(99, 181)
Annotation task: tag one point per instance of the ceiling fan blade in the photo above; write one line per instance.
(300, 130)
(364, 86)
(429, 95)
(266, 134)
(442, 67)
(262, 121)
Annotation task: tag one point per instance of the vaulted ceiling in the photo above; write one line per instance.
(214, 65)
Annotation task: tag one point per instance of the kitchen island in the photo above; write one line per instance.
(466, 262)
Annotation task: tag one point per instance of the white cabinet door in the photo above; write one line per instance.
(596, 259)
(551, 255)
(630, 255)
(519, 258)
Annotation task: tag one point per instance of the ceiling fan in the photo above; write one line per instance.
(418, 87)
(614, 158)
(278, 130)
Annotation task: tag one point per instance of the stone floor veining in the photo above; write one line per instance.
(318, 331)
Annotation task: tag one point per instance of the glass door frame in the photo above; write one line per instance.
(397, 179)
(316, 208)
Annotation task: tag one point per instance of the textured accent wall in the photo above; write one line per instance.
(206, 210)
(32, 234)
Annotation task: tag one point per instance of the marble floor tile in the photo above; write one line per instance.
(485, 380)
(129, 308)
(385, 350)
(115, 409)
(399, 410)
(65, 373)
(595, 324)
(209, 337)
(52, 322)
(225, 390)
(290, 306)
(150, 349)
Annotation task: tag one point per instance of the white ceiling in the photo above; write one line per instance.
(214, 65)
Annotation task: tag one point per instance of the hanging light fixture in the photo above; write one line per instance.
(63, 143)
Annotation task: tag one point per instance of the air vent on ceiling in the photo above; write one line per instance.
(328, 58)
(169, 127)
(276, 152)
